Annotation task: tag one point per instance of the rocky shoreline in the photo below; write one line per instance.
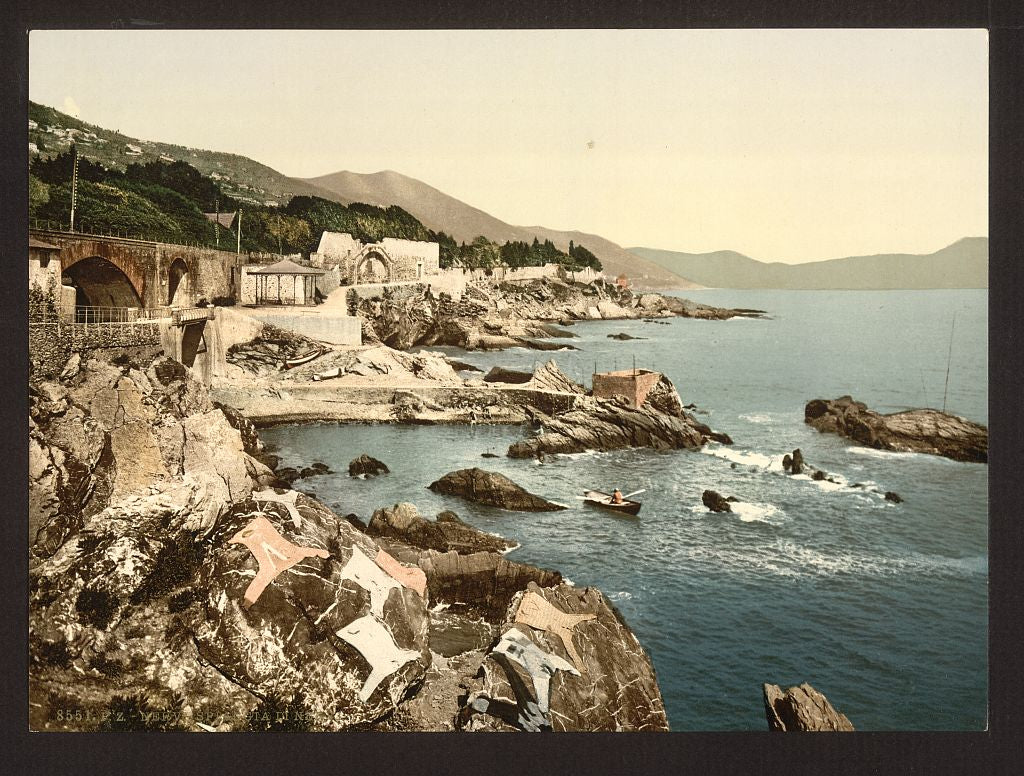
(516, 314)
(154, 606)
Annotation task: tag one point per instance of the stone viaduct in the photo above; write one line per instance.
(119, 272)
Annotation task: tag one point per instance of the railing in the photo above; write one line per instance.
(185, 315)
(91, 314)
(82, 230)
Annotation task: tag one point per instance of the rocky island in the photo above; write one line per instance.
(914, 431)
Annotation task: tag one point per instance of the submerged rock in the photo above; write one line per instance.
(623, 336)
(367, 466)
(918, 431)
(492, 489)
(801, 708)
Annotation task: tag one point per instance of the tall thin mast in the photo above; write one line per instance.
(949, 359)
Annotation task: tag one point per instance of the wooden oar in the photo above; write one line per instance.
(635, 493)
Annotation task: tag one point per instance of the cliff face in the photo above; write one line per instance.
(174, 588)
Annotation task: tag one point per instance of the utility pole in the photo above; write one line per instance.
(238, 227)
(216, 224)
(74, 182)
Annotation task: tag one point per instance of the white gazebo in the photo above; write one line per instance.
(284, 283)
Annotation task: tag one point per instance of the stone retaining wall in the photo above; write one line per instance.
(51, 344)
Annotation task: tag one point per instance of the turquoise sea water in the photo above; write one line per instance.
(881, 606)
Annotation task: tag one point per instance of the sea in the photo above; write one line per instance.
(881, 606)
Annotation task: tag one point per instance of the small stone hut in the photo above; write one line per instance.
(633, 384)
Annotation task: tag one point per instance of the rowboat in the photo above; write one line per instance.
(305, 358)
(599, 499)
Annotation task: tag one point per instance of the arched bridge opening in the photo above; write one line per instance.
(100, 283)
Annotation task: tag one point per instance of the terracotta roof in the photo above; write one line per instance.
(34, 243)
(285, 267)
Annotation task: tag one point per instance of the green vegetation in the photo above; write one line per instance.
(167, 201)
(481, 253)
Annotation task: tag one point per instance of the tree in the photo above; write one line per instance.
(38, 194)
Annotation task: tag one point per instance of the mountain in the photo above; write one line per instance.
(964, 264)
(51, 132)
(443, 213)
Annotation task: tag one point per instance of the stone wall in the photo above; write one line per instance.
(51, 344)
(633, 385)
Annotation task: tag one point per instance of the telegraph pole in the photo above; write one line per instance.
(74, 182)
(238, 227)
(216, 224)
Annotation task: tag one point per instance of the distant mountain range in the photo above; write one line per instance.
(964, 264)
(961, 265)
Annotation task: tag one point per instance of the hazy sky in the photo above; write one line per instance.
(786, 145)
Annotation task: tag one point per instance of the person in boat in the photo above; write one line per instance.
(617, 496)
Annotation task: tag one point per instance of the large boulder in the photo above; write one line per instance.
(549, 377)
(715, 501)
(332, 628)
(499, 374)
(492, 489)
(366, 466)
(403, 523)
(801, 708)
(566, 661)
(919, 431)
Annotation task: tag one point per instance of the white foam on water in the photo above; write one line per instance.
(873, 453)
(750, 512)
(744, 457)
(757, 418)
(621, 595)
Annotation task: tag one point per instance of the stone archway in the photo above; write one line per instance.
(374, 265)
(179, 284)
(101, 283)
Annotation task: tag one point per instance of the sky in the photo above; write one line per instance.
(784, 145)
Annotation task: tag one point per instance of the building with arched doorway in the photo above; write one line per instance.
(388, 261)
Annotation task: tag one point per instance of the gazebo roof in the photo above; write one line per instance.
(286, 267)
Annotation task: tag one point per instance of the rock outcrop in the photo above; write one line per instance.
(660, 423)
(492, 489)
(335, 629)
(801, 708)
(918, 431)
(565, 661)
(119, 430)
(366, 466)
(499, 374)
(716, 502)
(403, 523)
(519, 314)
